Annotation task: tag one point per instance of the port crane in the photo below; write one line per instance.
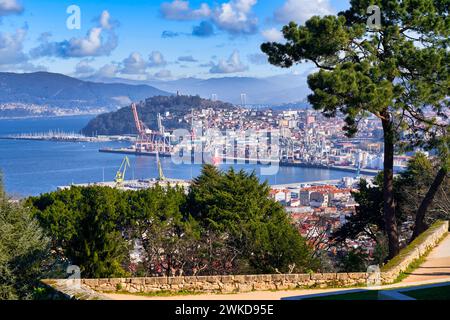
(148, 140)
(120, 175)
(161, 176)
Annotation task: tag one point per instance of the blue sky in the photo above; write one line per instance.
(144, 39)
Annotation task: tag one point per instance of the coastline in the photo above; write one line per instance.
(50, 116)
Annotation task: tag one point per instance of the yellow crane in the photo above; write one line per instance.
(161, 176)
(120, 175)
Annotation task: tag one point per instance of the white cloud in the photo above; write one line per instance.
(105, 20)
(134, 64)
(156, 59)
(88, 46)
(107, 71)
(301, 10)
(232, 65)
(163, 74)
(8, 7)
(99, 41)
(83, 68)
(180, 10)
(273, 35)
(235, 16)
(11, 47)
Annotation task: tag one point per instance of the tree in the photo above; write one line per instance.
(86, 224)
(24, 250)
(411, 186)
(237, 205)
(424, 186)
(368, 219)
(353, 261)
(168, 239)
(397, 70)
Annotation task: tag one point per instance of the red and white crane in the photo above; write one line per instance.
(148, 140)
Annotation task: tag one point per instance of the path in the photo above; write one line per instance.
(255, 295)
(436, 265)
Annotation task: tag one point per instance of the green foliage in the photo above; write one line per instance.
(396, 73)
(369, 216)
(235, 203)
(24, 250)
(413, 185)
(412, 246)
(410, 188)
(441, 293)
(122, 122)
(86, 224)
(403, 66)
(353, 261)
(226, 224)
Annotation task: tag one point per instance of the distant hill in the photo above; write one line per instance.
(60, 91)
(271, 91)
(275, 90)
(122, 121)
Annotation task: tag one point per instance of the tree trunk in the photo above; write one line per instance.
(420, 225)
(388, 187)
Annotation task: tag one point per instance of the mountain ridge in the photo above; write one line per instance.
(58, 91)
(274, 90)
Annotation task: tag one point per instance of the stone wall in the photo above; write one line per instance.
(65, 289)
(419, 247)
(227, 284)
(248, 283)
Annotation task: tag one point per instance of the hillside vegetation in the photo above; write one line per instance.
(226, 224)
(122, 122)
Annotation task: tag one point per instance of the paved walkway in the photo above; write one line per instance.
(273, 295)
(436, 266)
(256, 295)
(436, 269)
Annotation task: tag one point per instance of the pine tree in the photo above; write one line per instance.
(24, 250)
(394, 71)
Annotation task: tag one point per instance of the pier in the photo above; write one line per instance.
(59, 136)
(370, 172)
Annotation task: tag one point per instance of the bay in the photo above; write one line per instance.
(34, 167)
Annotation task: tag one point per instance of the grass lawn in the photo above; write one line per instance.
(437, 293)
(356, 296)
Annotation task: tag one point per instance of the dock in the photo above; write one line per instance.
(131, 151)
(241, 160)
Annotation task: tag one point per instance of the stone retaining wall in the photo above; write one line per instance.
(427, 241)
(65, 289)
(248, 283)
(226, 284)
